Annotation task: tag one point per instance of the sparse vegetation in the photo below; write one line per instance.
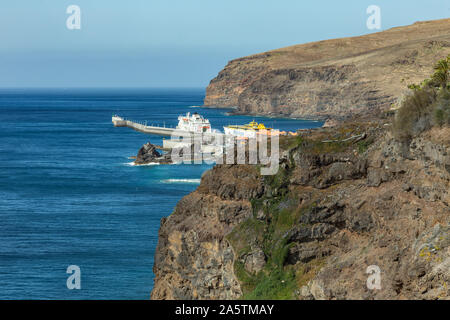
(308, 271)
(276, 285)
(282, 211)
(275, 280)
(364, 145)
(442, 109)
(415, 114)
(427, 105)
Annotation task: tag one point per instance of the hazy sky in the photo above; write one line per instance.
(171, 43)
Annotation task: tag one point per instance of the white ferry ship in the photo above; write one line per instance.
(194, 123)
(249, 130)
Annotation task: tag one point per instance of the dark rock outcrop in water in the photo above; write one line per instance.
(337, 78)
(147, 154)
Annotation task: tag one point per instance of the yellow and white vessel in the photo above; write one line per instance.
(250, 130)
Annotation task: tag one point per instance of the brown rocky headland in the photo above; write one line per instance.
(338, 78)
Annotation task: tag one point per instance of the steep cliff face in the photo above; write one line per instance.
(193, 259)
(391, 211)
(336, 78)
(344, 199)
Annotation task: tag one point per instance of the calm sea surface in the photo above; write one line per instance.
(69, 196)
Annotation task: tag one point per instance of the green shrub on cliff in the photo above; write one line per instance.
(442, 110)
(275, 280)
(441, 75)
(415, 114)
(276, 285)
(426, 105)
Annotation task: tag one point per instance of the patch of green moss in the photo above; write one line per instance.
(276, 285)
(364, 145)
(290, 142)
(248, 282)
(279, 180)
(276, 280)
(308, 271)
(249, 231)
(320, 147)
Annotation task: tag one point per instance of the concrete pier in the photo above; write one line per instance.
(141, 127)
(179, 138)
(163, 131)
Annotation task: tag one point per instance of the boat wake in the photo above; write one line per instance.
(181, 181)
(132, 164)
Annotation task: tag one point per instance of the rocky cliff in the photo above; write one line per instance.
(336, 207)
(337, 78)
(193, 259)
(359, 209)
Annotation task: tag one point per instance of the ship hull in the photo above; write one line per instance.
(240, 132)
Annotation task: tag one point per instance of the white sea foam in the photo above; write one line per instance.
(132, 164)
(181, 181)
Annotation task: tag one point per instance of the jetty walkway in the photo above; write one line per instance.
(142, 126)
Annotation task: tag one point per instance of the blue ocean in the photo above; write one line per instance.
(70, 196)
